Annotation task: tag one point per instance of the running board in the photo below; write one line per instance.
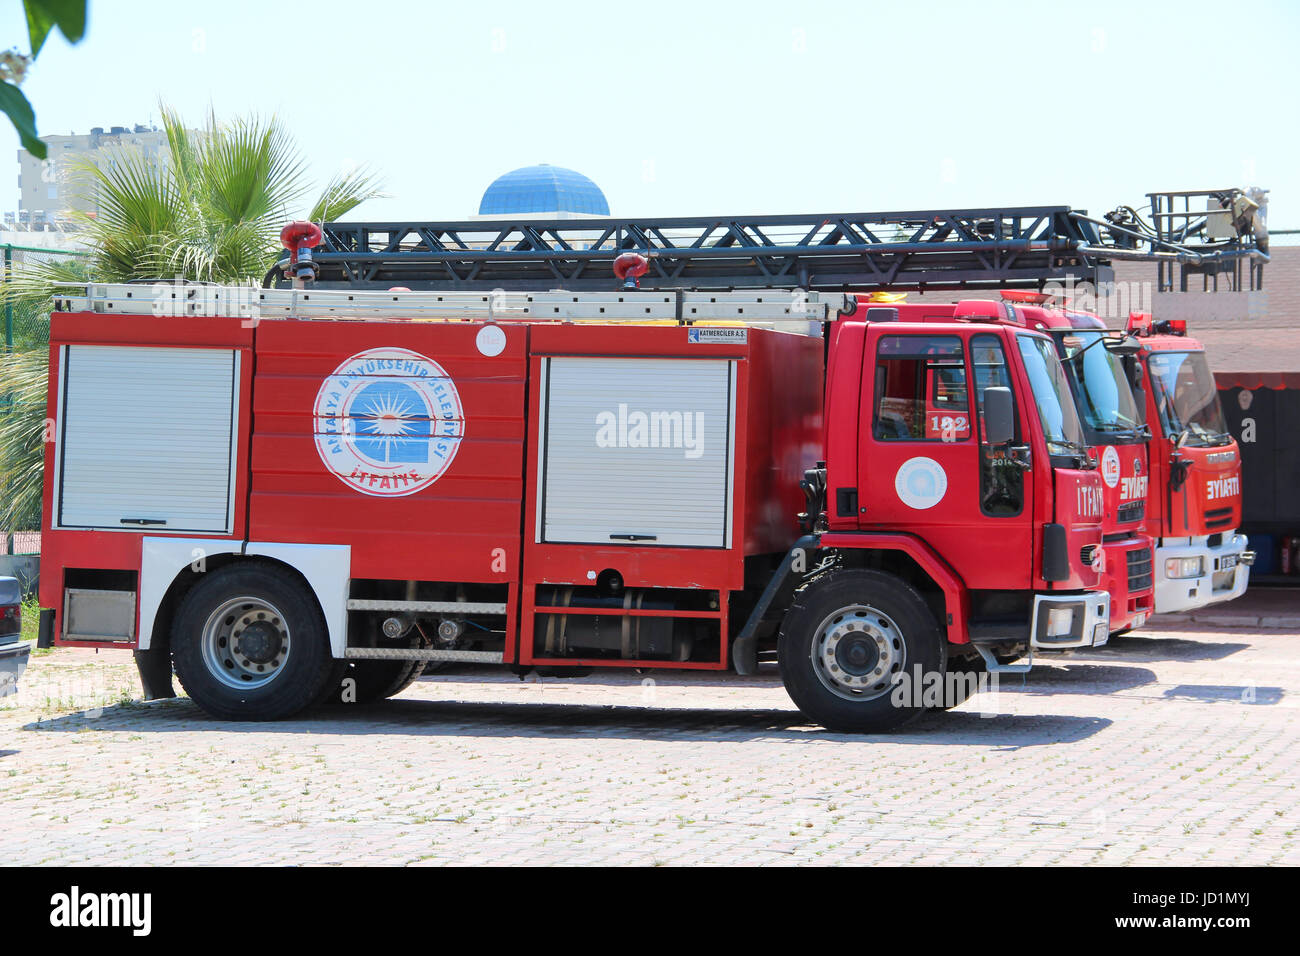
(422, 654)
(993, 667)
(428, 607)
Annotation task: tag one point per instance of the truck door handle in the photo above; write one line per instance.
(634, 537)
(143, 521)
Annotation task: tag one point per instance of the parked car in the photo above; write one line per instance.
(13, 651)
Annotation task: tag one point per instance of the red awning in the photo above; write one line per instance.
(1254, 380)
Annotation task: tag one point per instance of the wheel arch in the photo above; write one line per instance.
(169, 567)
(915, 562)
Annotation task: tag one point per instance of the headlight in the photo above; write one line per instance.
(1184, 567)
(1059, 621)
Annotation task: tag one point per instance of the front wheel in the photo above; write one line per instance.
(860, 650)
(365, 682)
(249, 643)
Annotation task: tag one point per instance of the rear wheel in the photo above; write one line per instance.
(857, 649)
(249, 643)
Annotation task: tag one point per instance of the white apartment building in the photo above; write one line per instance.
(50, 189)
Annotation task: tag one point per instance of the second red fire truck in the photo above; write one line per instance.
(1114, 422)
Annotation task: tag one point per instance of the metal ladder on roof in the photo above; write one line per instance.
(912, 250)
(788, 309)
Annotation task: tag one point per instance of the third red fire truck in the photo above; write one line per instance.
(1194, 505)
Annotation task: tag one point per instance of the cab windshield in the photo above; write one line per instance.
(1183, 387)
(1052, 396)
(1101, 389)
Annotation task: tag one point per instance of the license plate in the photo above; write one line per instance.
(1100, 634)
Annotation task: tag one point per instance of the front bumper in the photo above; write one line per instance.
(1088, 615)
(1227, 572)
(1128, 578)
(13, 661)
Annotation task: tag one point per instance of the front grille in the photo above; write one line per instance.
(1132, 511)
(1086, 554)
(1218, 516)
(1139, 569)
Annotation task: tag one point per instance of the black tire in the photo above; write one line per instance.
(902, 633)
(959, 690)
(372, 681)
(284, 619)
(1121, 632)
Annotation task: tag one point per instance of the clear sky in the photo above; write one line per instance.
(700, 108)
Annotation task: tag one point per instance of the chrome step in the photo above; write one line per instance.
(421, 654)
(428, 607)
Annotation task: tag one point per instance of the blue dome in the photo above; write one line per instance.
(543, 189)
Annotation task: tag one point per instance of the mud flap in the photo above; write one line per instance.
(155, 667)
(744, 650)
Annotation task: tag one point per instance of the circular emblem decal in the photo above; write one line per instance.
(491, 340)
(921, 483)
(1110, 466)
(1244, 398)
(388, 422)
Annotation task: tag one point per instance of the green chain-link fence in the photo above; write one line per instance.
(27, 324)
(26, 333)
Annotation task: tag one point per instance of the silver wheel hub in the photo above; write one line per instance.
(857, 651)
(245, 642)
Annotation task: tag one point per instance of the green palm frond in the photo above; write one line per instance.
(344, 193)
(22, 436)
(250, 173)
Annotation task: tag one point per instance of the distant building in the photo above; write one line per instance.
(543, 192)
(52, 188)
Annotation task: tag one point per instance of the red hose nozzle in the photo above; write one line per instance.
(300, 238)
(630, 267)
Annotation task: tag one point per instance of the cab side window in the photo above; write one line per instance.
(1002, 479)
(920, 389)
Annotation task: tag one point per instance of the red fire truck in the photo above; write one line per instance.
(1112, 426)
(1194, 504)
(1113, 421)
(292, 496)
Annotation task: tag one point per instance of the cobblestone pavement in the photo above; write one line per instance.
(1171, 746)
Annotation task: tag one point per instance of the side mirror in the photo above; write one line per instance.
(1135, 372)
(999, 415)
(1127, 345)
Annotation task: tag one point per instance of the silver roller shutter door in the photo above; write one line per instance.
(146, 433)
(602, 478)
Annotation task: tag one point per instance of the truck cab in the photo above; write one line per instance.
(1113, 421)
(1194, 504)
(913, 448)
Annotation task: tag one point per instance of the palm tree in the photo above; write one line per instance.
(212, 213)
